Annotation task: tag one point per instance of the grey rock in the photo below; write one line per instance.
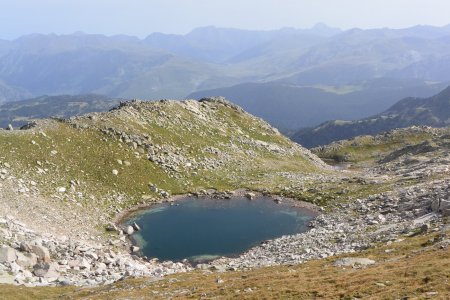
(15, 268)
(219, 281)
(41, 252)
(153, 188)
(6, 278)
(91, 255)
(129, 230)
(64, 281)
(5, 233)
(26, 260)
(24, 246)
(353, 261)
(61, 190)
(112, 227)
(84, 264)
(7, 254)
(250, 196)
(46, 270)
(136, 227)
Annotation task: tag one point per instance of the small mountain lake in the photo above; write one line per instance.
(201, 229)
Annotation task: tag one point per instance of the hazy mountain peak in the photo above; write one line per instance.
(431, 111)
(320, 25)
(79, 33)
(323, 29)
(444, 95)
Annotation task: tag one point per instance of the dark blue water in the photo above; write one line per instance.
(201, 229)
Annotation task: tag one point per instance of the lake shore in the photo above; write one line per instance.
(257, 217)
(121, 217)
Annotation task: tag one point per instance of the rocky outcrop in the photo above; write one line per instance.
(175, 159)
(36, 260)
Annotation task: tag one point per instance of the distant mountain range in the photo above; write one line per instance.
(289, 106)
(22, 112)
(11, 93)
(433, 111)
(159, 66)
(319, 73)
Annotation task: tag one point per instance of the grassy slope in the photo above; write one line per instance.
(363, 151)
(86, 154)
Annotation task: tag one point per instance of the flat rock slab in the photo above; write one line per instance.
(6, 278)
(353, 261)
(7, 254)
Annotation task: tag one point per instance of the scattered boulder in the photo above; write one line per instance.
(353, 262)
(250, 196)
(46, 270)
(136, 227)
(6, 278)
(41, 252)
(7, 254)
(153, 188)
(91, 255)
(129, 230)
(26, 260)
(5, 232)
(61, 190)
(164, 194)
(112, 227)
(84, 264)
(219, 281)
(441, 206)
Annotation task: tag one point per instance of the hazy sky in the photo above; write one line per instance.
(141, 17)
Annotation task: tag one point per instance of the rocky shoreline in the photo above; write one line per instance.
(352, 227)
(34, 259)
(124, 227)
(212, 193)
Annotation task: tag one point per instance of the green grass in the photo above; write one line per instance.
(84, 155)
(89, 155)
(367, 150)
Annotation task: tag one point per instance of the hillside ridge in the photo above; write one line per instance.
(430, 111)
